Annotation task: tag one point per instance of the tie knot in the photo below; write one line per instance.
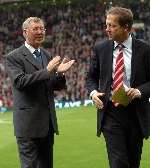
(37, 53)
(120, 46)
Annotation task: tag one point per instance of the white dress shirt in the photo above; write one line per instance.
(127, 54)
(31, 49)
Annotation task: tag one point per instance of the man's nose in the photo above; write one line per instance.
(107, 28)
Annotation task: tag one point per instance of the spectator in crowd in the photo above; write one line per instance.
(34, 76)
(122, 62)
(70, 31)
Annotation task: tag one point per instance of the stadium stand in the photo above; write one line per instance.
(71, 32)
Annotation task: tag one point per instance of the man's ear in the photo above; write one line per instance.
(24, 32)
(127, 27)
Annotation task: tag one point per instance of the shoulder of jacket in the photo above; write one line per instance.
(46, 53)
(15, 51)
(103, 43)
(142, 43)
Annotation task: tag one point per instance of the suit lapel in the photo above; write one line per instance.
(134, 63)
(110, 59)
(30, 58)
(44, 58)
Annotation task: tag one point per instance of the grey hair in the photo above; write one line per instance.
(27, 22)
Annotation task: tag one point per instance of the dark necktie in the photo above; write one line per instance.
(119, 71)
(38, 56)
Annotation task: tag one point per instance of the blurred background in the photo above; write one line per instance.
(73, 28)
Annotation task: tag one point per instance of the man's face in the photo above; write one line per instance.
(35, 34)
(114, 30)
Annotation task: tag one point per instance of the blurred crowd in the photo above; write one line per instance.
(72, 31)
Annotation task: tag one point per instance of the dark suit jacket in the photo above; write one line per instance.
(33, 93)
(100, 78)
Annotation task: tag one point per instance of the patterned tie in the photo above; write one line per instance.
(119, 72)
(38, 56)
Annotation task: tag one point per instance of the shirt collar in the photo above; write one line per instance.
(31, 49)
(127, 43)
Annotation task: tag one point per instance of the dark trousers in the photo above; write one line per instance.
(36, 152)
(123, 137)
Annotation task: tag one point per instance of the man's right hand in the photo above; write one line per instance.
(53, 64)
(65, 65)
(97, 100)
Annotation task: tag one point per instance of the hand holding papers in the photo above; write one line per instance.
(120, 96)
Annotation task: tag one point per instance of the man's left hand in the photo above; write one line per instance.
(133, 93)
(65, 65)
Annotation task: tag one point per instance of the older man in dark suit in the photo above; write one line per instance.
(121, 63)
(34, 76)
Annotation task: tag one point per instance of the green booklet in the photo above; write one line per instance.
(120, 97)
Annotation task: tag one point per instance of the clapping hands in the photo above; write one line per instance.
(65, 65)
(58, 65)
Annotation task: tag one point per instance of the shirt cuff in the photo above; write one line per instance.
(60, 74)
(139, 93)
(91, 94)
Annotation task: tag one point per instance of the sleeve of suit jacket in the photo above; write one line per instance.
(15, 66)
(92, 80)
(142, 75)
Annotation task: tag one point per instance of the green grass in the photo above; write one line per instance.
(76, 147)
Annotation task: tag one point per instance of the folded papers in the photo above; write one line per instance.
(120, 97)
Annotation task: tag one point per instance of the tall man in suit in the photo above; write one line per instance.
(123, 127)
(34, 76)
